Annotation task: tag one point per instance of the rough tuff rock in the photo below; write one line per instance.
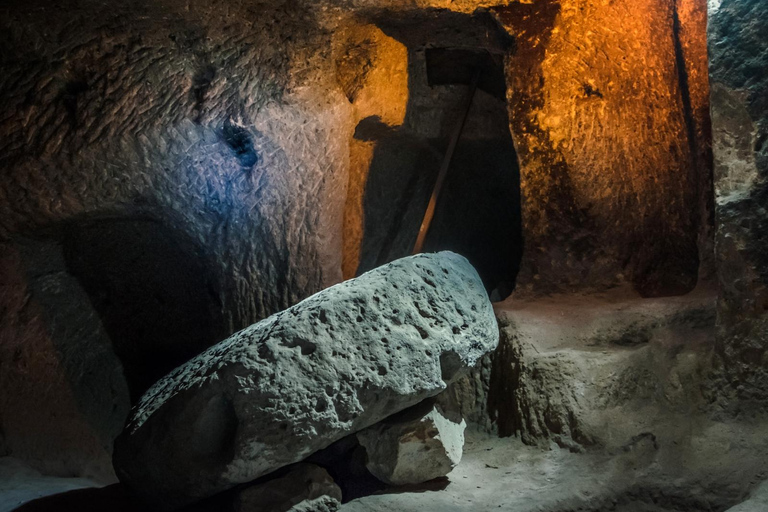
(302, 486)
(336, 363)
(221, 124)
(62, 393)
(594, 216)
(467, 396)
(738, 49)
(419, 445)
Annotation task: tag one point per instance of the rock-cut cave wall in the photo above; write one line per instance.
(738, 49)
(609, 110)
(176, 160)
(211, 147)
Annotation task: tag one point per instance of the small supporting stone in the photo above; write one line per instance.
(416, 446)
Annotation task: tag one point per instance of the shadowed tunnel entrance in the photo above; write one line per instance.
(478, 211)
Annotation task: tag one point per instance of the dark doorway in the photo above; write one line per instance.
(478, 213)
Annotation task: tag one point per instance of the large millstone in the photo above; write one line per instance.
(338, 362)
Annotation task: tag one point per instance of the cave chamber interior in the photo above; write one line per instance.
(213, 295)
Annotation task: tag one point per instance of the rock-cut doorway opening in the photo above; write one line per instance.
(478, 208)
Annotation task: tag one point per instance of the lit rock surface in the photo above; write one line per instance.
(581, 372)
(304, 485)
(321, 504)
(757, 501)
(413, 448)
(292, 384)
(588, 216)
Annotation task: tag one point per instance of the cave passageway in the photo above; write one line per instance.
(154, 293)
(478, 211)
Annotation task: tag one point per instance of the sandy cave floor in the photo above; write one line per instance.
(708, 471)
(664, 448)
(504, 474)
(499, 474)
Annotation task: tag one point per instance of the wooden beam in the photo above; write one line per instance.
(430, 213)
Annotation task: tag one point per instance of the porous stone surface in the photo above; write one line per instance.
(321, 504)
(335, 363)
(413, 447)
(738, 49)
(303, 486)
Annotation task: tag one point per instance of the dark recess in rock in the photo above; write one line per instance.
(200, 85)
(151, 288)
(478, 213)
(69, 97)
(590, 91)
(241, 143)
(442, 27)
(450, 66)
(345, 462)
(476, 217)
